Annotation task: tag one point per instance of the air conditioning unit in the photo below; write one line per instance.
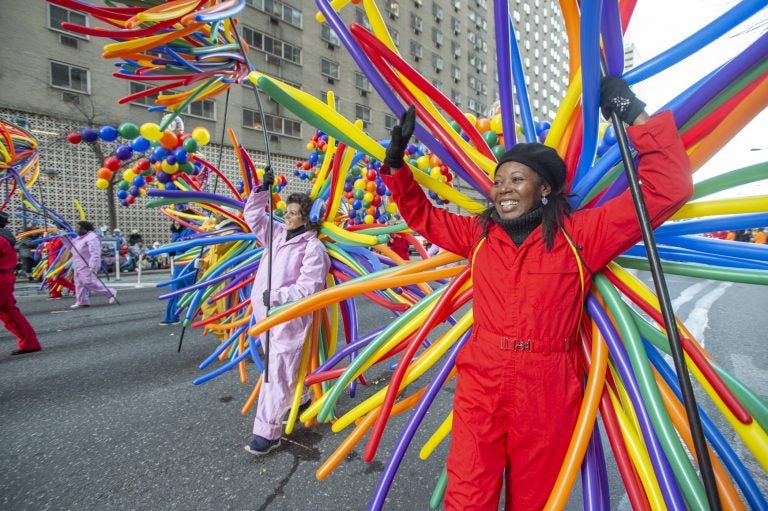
(274, 20)
(331, 80)
(331, 46)
(70, 97)
(274, 138)
(363, 93)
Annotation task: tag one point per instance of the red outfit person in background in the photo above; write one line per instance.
(10, 315)
(518, 389)
(55, 284)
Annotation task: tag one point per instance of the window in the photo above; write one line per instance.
(205, 108)
(272, 46)
(336, 100)
(437, 37)
(455, 25)
(361, 82)
(456, 97)
(392, 9)
(389, 122)
(416, 23)
(437, 12)
(437, 62)
(58, 15)
(456, 5)
(148, 100)
(329, 36)
(363, 113)
(361, 18)
(437, 83)
(65, 76)
(280, 10)
(416, 49)
(395, 35)
(455, 73)
(329, 68)
(275, 124)
(455, 49)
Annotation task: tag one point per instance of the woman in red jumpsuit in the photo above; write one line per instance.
(518, 388)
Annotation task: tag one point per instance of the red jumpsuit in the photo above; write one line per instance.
(10, 315)
(59, 282)
(518, 390)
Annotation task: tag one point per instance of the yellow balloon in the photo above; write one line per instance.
(435, 173)
(201, 135)
(281, 205)
(496, 124)
(359, 184)
(150, 131)
(168, 168)
(310, 146)
(392, 208)
(143, 192)
(128, 175)
(518, 128)
(260, 173)
(471, 118)
(102, 184)
(422, 162)
(368, 196)
(368, 219)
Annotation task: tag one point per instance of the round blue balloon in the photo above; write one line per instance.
(108, 133)
(181, 155)
(123, 152)
(140, 144)
(89, 134)
(139, 181)
(122, 194)
(162, 177)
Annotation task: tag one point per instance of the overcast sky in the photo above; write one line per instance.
(658, 25)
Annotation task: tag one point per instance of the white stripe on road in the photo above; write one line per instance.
(698, 319)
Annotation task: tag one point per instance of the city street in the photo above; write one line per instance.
(106, 417)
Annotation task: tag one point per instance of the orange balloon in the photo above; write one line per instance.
(483, 125)
(169, 140)
(371, 186)
(104, 173)
(434, 161)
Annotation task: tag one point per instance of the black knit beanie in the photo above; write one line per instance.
(542, 159)
(88, 226)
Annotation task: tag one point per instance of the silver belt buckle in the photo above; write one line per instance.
(521, 345)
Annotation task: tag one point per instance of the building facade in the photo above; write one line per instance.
(54, 81)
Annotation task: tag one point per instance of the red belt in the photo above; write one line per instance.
(522, 343)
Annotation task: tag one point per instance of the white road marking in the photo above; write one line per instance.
(687, 294)
(698, 319)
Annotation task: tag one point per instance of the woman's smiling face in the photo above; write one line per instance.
(292, 216)
(516, 190)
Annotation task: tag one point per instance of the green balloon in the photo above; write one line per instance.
(128, 130)
(491, 138)
(456, 127)
(359, 194)
(190, 145)
(187, 168)
(497, 151)
(123, 184)
(278, 212)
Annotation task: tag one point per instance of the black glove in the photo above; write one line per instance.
(265, 298)
(266, 181)
(401, 134)
(615, 96)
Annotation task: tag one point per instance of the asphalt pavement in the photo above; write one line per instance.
(107, 417)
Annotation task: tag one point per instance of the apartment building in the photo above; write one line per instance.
(54, 81)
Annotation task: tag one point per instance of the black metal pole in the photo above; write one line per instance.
(689, 399)
(268, 167)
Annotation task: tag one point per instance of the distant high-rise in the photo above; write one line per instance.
(55, 81)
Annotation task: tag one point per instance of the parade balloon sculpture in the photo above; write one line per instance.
(193, 45)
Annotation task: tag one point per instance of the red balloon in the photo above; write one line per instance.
(371, 175)
(143, 164)
(130, 199)
(74, 138)
(112, 163)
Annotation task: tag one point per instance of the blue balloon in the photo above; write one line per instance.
(134, 190)
(108, 133)
(609, 136)
(89, 134)
(160, 153)
(122, 194)
(123, 152)
(139, 181)
(140, 144)
(170, 159)
(170, 185)
(181, 155)
(162, 177)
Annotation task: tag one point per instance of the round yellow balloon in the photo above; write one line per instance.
(102, 184)
(368, 219)
(422, 162)
(201, 135)
(471, 118)
(169, 168)
(150, 131)
(128, 175)
(496, 124)
(392, 208)
(281, 205)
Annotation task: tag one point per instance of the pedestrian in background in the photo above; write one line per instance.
(299, 267)
(86, 262)
(519, 376)
(12, 318)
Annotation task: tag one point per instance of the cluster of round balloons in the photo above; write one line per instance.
(278, 204)
(421, 158)
(365, 193)
(171, 154)
(317, 146)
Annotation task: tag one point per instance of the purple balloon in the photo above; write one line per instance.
(89, 134)
(123, 152)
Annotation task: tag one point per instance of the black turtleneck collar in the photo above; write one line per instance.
(519, 228)
(292, 233)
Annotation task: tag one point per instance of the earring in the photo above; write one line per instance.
(544, 200)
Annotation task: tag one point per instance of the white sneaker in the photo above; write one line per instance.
(112, 298)
(77, 306)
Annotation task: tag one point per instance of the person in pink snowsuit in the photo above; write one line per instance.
(299, 267)
(86, 261)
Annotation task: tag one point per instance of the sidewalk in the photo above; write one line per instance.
(128, 280)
